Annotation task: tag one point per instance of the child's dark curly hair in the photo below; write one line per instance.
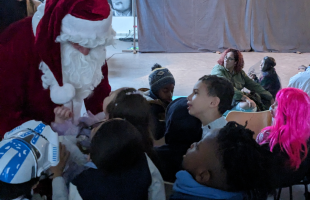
(247, 164)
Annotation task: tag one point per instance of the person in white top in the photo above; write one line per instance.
(211, 97)
(301, 80)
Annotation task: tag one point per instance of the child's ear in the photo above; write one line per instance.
(203, 177)
(215, 102)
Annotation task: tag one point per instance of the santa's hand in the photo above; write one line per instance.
(62, 114)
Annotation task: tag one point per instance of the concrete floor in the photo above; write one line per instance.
(132, 70)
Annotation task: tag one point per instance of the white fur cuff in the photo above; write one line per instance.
(62, 95)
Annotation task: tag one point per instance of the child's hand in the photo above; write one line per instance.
(63, 157)
(253, 76)
(62, 114)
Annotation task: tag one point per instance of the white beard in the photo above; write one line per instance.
(83, 72)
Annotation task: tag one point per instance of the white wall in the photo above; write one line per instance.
(122, 26)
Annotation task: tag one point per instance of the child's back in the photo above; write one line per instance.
(132, 183)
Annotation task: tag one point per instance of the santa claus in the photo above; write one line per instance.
(55, 57)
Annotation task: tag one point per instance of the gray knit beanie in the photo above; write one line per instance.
(160, 77)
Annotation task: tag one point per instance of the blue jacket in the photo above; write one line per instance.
(187, 188)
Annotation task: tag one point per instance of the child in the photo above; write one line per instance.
(129, 104)
(212, 96)
(26, 153)
(270, 80)
(162, 84)
(182, 130)
(288, 137)
(227, 164)
(125, 103)
(121, 170)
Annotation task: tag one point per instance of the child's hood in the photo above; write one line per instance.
(187, 185)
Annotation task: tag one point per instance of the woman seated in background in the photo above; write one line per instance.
(288, 137)
(269, 80)
(230, 66)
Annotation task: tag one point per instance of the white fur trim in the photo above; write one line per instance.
(94, 33)
(62, 95)
(37, 17)
(59, 95)
(48, 78)
(100, 32)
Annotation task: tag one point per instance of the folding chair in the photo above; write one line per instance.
(256, 121)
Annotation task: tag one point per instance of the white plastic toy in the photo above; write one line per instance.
(27, 151)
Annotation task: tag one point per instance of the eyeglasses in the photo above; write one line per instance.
(229, 58)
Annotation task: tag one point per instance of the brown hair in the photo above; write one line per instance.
(130, 105)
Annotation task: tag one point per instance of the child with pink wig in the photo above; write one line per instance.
(288, 137)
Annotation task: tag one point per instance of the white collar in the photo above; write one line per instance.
(218, 123)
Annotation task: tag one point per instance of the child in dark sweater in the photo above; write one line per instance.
(227, 164)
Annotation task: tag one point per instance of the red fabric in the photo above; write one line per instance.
(22, 95)
(50, 26)
(93, 10)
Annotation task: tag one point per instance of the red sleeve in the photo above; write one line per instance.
(16, 57)
(94, 103)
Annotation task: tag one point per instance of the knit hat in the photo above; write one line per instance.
(160, 77)
(86, 18)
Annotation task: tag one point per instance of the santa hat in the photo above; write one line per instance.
(83, 16)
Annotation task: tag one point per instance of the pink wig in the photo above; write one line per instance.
(291, 126)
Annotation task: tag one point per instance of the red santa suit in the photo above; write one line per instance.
(32, 41)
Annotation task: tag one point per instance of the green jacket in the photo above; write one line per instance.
(240, 80)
